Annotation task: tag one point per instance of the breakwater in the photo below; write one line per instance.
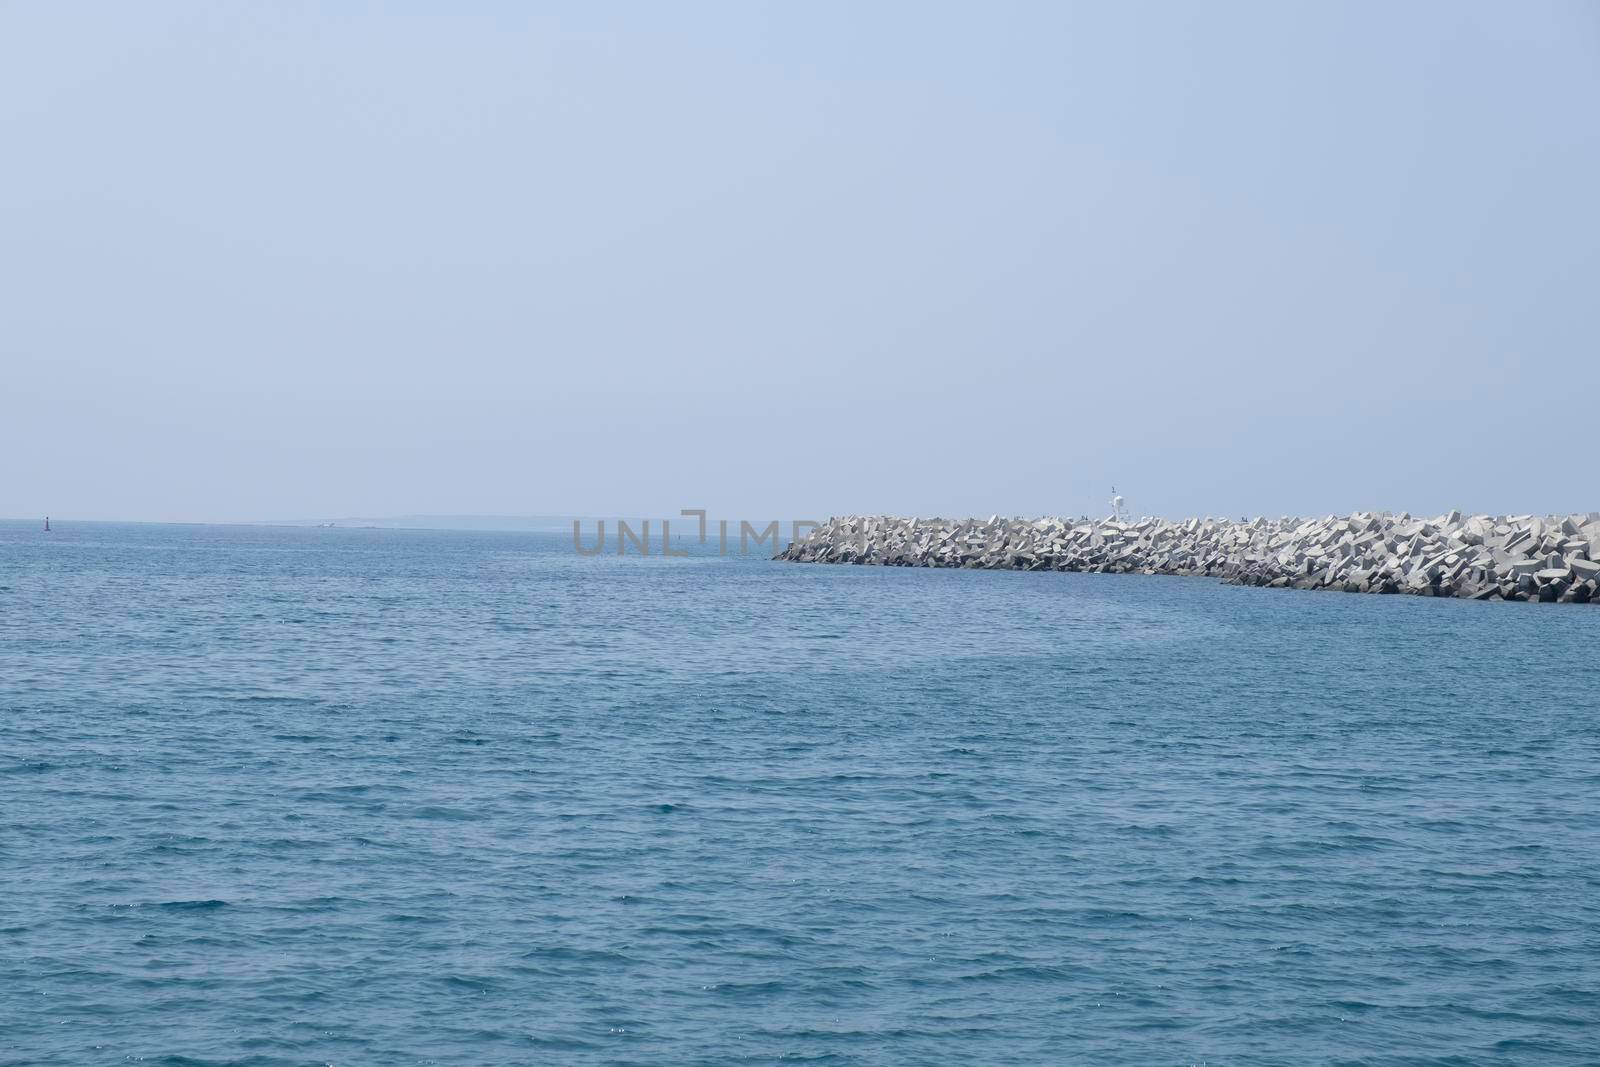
(1519, 557)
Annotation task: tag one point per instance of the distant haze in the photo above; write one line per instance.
(287, 261)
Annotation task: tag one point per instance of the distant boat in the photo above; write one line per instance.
(47, 524)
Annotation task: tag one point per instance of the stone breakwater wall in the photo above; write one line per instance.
(1517, 557)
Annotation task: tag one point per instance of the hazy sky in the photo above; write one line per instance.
(280, 261)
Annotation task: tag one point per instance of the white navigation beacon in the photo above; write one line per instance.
(1116, 505)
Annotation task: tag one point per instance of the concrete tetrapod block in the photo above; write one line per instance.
(1475, 556)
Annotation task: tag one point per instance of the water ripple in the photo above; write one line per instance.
(340, 796)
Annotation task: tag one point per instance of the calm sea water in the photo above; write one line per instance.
(280, 796)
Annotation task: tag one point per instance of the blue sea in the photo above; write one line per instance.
(310, 796)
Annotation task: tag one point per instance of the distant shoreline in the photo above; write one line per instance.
(464, 523)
